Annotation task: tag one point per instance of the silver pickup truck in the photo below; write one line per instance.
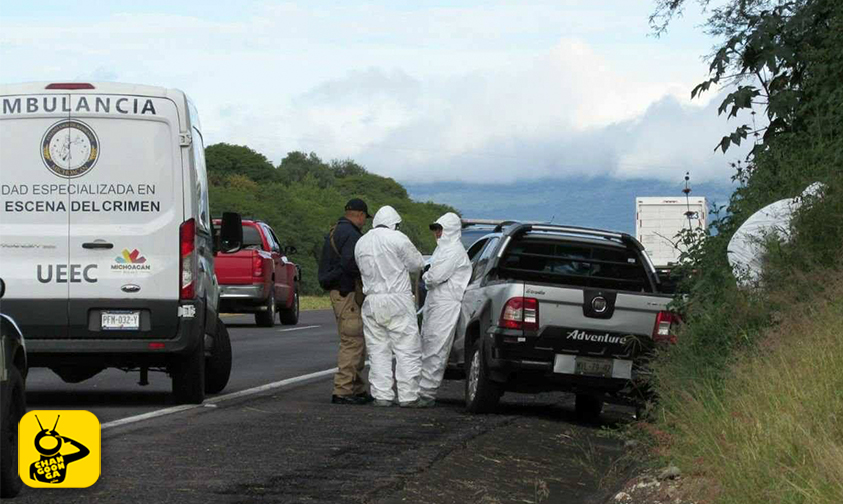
(558, 308)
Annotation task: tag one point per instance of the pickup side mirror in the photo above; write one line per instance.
(2, 287)
(290, 250)
(231, 233)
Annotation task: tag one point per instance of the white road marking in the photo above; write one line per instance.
(147, 416)
(298, 328)
(213, 401)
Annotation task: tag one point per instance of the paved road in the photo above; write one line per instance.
(260, 356)
(290, 444)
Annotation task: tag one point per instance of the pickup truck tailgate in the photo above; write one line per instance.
(236, 269)
(594, 322)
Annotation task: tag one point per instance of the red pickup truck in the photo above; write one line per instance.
(259, 278)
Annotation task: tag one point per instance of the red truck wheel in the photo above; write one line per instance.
(266, 318)
(290, 316)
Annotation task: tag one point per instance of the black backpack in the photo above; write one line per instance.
(330, 270)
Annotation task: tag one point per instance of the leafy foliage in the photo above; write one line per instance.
(785, 58)
(769, 54)
(225, 160)
(303, 197)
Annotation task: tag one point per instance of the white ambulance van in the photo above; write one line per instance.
(106, 242)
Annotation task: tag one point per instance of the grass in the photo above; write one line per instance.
(314, 303)
(772, 430)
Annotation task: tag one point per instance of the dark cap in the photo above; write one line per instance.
(435, 226)
(358, 205)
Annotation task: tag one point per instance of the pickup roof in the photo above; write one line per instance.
(259, 278)
(563, 308)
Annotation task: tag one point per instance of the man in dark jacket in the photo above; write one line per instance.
(339, 275)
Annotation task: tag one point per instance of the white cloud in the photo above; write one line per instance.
(491, 92)
(564, 113)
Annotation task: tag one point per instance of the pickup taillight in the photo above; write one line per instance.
(257, 265)
(521, 313)
(663, 330)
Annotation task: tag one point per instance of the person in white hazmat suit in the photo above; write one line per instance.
(746, 249)
(446, 280)
(385, 257)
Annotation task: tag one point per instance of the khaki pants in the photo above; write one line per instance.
(352, 354)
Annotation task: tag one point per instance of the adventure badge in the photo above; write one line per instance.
(48, 459)
(70, 148)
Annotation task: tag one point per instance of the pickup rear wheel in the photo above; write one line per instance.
(588, 407)
(13, 409)
(218, 363)
(266, 318)
(189, 376)
(481, 393)
(290, 316)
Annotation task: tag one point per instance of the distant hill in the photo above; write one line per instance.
(604, 203)
(304, 196)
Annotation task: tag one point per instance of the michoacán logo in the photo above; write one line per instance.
(130, 261)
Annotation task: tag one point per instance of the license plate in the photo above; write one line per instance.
(593, 367)
(121, 320)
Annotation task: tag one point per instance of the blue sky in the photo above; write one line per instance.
(420, 91)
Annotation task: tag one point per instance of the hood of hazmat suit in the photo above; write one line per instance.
(450, 269)
(446, 281)
(385, 258)
(746, 249)
(386, 216)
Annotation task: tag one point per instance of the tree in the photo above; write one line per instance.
(305, 197)
(298, 165)
(223, 160)
(346, 168)
(769, 54)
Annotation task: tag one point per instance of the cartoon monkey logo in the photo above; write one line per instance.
(52, 466)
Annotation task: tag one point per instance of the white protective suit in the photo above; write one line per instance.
(386, 257)
(747, 247)
(446, 280)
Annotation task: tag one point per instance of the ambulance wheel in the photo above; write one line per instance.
(218, 363)
(13, 411)
(189, 376)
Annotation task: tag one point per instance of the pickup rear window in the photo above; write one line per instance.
(576, 264)
(252, 237)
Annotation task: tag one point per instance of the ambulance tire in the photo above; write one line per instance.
(13, 410)
(218, 363)
(189, 376)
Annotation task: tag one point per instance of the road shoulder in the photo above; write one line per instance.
(538, 455)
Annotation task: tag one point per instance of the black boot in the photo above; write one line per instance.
(348, 399)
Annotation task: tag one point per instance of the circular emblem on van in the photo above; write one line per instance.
(599, 304)
(70, 148)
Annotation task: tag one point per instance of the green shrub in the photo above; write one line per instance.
(303, 197)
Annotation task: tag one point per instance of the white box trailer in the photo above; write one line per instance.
(658, 221)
